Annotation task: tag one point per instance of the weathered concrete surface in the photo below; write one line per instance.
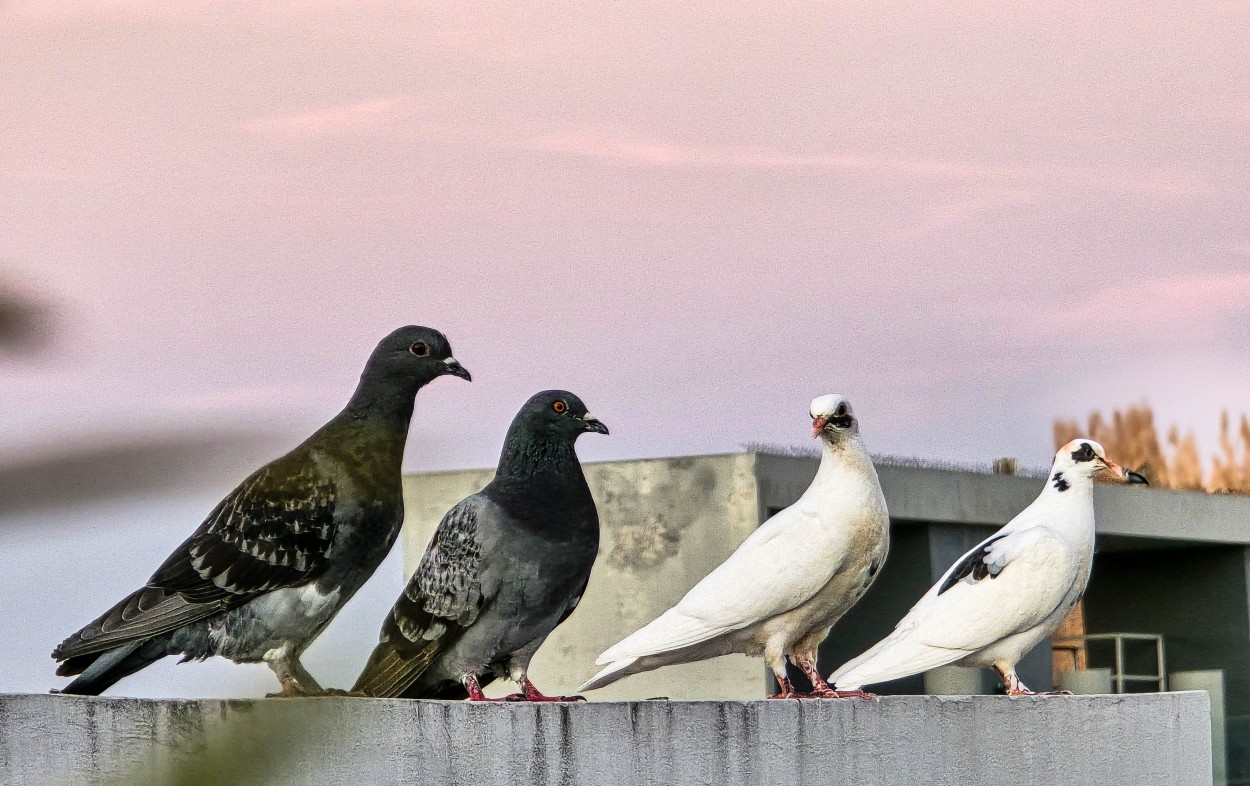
(971, 741)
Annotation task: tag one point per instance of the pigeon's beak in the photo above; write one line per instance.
(456, 370)
(818, 425)
(592, 423)
(1127, 475)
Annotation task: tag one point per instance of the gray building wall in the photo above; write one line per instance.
(896, 741)
(1196, 598)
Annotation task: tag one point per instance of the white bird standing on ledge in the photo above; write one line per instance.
(782, 590)
(1004, 596)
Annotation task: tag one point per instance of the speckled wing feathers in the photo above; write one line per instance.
(447, 583)
(443, 598)
(273, 531)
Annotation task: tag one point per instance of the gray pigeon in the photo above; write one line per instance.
(505, 567)
(278, 557)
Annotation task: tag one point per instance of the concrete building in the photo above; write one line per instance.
(1172, 570)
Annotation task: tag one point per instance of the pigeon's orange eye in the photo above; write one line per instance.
(420, 349)
(560, 407)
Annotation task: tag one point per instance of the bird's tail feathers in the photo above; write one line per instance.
(113, 665)
(615, 671)
(390, 673)
(670, 631)
(892, 659)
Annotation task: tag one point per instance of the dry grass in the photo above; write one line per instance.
(1130, 436)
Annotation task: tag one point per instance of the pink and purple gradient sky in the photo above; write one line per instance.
(970, 217)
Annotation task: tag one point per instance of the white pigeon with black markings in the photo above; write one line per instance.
(1006, 595)
(781, 591)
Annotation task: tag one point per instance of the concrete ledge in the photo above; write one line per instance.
(974, 740)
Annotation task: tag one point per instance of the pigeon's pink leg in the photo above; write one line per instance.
(787, 690)
(475, 690)
(1011, 681)
(821, 689)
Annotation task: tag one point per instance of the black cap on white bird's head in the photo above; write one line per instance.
(558, 412)
(417, 354)
(832, 417)
(1085, 458)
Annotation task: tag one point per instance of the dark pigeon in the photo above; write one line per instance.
(278, 557)
(505, 567)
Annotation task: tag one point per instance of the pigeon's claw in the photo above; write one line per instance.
(849, 694)
(787, 690)
(1011, 681)
(820, 688)
(531, 693)
(475, 689)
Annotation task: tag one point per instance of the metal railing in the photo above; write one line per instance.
(1118, 675)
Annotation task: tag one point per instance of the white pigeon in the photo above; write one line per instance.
(782, 590)
(1006, 595)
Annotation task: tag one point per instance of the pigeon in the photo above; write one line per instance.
(782, 590)
(504, 568)
(1009, 592)
(282, 553)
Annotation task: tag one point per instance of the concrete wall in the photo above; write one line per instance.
(971, 741)
(666, 523)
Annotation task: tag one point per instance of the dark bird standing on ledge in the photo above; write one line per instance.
(278, 557)
(505, 567)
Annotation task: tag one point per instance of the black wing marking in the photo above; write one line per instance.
(441, 601)
(972, 565)
(275, 530)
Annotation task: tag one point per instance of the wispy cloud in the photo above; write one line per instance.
(638, 152)
(360, 118)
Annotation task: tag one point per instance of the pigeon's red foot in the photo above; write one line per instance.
(848, 694)
(787, 690)
(475, 690)
(531, 693)
(541, 698)
(830, 693)
(1011, 682)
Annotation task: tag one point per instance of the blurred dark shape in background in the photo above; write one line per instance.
(107, 469)
(26, 320)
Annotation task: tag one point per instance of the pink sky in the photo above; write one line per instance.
(970, 217)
